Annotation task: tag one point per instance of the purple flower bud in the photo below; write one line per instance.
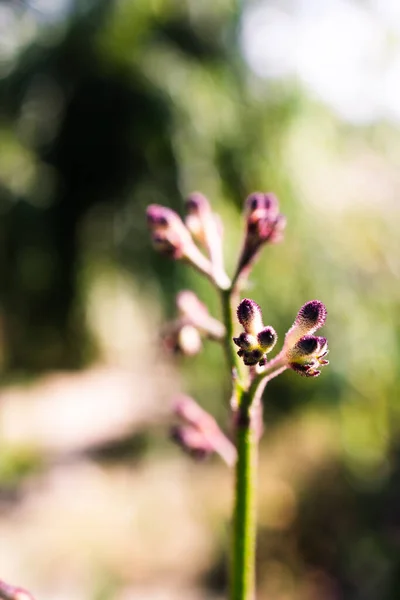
(308, 355)
(267, 338)
(310, 317)
(169, 234)
(264, 225)
(250, 316)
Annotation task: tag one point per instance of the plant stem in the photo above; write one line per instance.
(244, 518)
(230, 348)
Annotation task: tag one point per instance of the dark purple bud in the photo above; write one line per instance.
(267, 338)
(312, 315)
(252, 357)
(250, 316)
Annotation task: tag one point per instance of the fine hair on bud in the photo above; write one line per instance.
(312, 315)
(249, 315)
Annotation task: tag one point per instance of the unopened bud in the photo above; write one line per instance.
(308, 355)
(250, 316)
(196, 313)
(169, 234)
(192, 441)
(264, 225)
(267, 338)
(256, 340)
(171, 237)
(310, 317)
(200, 435)
(9, 592)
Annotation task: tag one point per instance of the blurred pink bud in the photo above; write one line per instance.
(205, 227)
(199, 434)
(169, 234)
(171, 237)
(9, 592)
(192, 441)
(196, 313)
(181, 338)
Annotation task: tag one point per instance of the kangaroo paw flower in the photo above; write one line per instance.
(256, 340)
(310, 317)
(303, 352)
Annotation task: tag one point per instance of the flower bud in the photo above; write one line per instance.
(199, 215)
(192, 441)
(199, 434)
(9, 592)
(310, 317)
(267, 338)
(256, 340)
(206, 228)
(169, 234)
(250, 316)
(183, 338)
(307, 355)
(264, 224)
(194, 312)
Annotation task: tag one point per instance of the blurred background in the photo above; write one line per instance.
(107, 106)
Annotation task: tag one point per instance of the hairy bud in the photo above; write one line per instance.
(308, 355)
(310, 317)
(256, 340)
(249, 316)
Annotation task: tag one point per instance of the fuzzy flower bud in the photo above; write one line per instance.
(303, 352)
(256, 340)
(249, 316)
(310, 317)
(264, 224)
(307, 355)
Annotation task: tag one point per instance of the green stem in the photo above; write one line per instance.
(227, 312)
(244, 519)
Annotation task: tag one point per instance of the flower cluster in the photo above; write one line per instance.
(256, 340)
(303, 352)
(264, 224)
(176, 239)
